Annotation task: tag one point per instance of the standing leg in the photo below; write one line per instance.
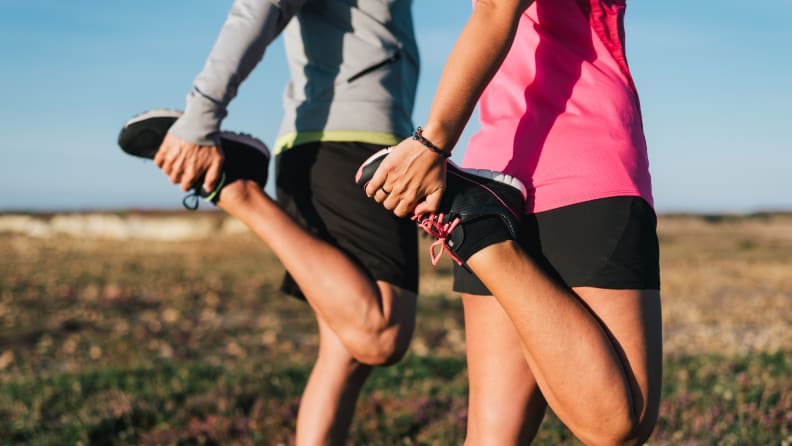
(505, 406)
(353, 262)
(329, 399)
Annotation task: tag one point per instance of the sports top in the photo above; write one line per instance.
(562, 112)
(353, 67)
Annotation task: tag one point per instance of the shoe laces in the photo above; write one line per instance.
(191, 200)
(435, 226)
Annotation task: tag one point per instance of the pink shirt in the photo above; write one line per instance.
(562, 113)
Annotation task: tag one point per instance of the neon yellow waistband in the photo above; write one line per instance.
(292, 139)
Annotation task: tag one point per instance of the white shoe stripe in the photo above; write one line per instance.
(499, 177)
(156, 113)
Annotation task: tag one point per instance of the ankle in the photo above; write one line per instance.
(238, 193)
(479, 235)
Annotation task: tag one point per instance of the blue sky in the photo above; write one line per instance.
(714, 81)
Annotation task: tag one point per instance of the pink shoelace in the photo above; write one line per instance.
(434, 225)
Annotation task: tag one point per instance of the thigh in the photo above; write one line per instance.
(633, 320)
(505, 405)
(315, 185)
(607, 252)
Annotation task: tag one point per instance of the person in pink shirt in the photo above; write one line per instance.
(564, 238)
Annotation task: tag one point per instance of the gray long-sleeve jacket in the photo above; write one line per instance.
(353, 66)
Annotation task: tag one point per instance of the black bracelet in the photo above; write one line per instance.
(418, 136)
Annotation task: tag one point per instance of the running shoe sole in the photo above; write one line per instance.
(246, 157)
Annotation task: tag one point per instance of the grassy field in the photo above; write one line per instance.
(114, 337)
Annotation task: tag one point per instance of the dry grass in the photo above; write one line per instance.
(727, 284)
(120, 336)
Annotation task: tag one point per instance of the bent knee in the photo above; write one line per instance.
(382, 349)
(621, 432)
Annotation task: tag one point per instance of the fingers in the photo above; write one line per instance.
(213, 173)
(406, 204)
(405, 177)
(174, 169)
(430, 204)
(392, 200)
(402, 209)
(184, 171)
(186, 163)
(168, 160)
(381, 194)
(375, 185)
(400, 200)
(185, 178)
(159, 157)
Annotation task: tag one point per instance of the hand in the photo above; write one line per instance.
(410, 180)
(187, 163)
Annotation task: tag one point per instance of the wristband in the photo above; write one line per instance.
(418, 136)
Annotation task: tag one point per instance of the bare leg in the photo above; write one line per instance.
(633, 320)
(596, 359)
(373, 321)
(328, 402)
(505, 406)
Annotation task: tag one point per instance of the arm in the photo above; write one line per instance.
(411, 172)
(190, 150)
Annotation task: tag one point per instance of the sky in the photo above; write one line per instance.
(713, 78)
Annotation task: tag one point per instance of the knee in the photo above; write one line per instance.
(624, 431)
(382, 348)
(606, 437)
(381, 341)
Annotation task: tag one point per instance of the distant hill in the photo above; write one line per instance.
(157, 225)
(183, 225)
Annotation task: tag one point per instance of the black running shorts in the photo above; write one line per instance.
(605, 243)
(316, 186)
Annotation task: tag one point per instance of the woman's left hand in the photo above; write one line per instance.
(410, 180)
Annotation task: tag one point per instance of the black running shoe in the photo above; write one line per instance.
(245, 156)
(478, 208)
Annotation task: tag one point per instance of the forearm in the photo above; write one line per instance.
(251, 25)
(476, 56)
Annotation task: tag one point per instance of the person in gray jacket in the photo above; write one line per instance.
(354, 69)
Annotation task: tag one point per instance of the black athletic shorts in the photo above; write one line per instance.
(316, 185)
(605, 243)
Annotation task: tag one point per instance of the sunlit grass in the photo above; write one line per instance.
(707, 400)
(190, 342)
